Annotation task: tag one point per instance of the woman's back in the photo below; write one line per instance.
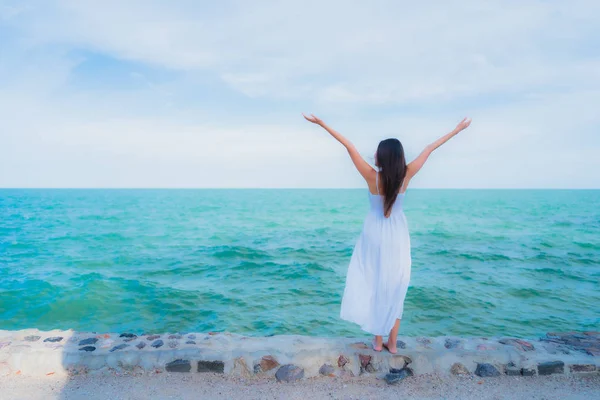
(376, 208)
(378, 203)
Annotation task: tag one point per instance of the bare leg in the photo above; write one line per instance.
(393, 338)
(378, 343)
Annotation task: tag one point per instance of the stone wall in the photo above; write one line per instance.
(288, 358)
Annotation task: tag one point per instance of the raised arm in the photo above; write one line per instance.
(418, 162)
(361, 165)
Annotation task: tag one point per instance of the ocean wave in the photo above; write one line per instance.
(588, 245)
(267, 263)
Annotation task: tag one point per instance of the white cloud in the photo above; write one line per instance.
(525, 71)
(58, 147)
(383, 52)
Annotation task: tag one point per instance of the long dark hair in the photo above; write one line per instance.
(392, 163)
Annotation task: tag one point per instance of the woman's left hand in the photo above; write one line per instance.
(313, 119)
(464, 124)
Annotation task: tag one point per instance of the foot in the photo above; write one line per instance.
(392, 348)
(377, 344)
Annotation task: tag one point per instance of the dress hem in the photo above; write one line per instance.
(387, 332)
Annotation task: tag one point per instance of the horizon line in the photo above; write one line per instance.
(289, 188)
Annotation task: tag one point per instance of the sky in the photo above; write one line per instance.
(195, 94)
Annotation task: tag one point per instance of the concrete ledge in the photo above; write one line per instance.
(289, 358)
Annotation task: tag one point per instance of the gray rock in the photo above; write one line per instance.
(32, 338)
(127, 335)
(399, 362)
(119, 347)
(453, 343)
(407, 359)
(88, 341)
(519, 344)
(141, 345)
(554, 348)
(152, 337)
(289, 373)
(174, 336)
(173, 344)
(192, 336)
(87, 348)
(394, 378)
(157, 343)
(179, 366)
(593, 351)
(512, 370)
(528, 371)
(211, 366)
(326, 370)
(190, 342)
(400, 344)
(583, 368)
(54, 339)
(486, 370)
(551, 367)
(586, 342)
(459, 369)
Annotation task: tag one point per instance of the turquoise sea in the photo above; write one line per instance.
(261, 262)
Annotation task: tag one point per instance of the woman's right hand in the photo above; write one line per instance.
(464, 124)
(416, 165)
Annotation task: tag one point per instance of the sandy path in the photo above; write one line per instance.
(207, 386)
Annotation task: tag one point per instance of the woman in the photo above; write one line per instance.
(379, 270)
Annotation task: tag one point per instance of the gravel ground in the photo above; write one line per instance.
(208, 386)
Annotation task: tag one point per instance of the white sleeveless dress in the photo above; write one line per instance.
(379, 270)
